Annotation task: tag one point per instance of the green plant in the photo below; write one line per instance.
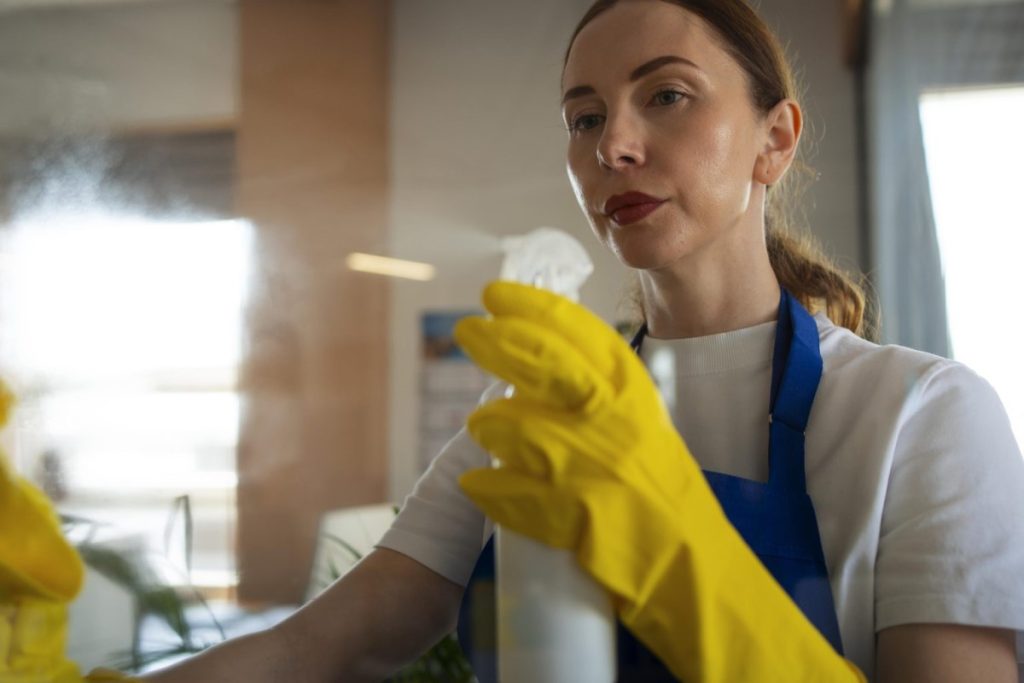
(136, 571)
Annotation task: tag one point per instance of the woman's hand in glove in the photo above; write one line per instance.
(40, 573)
(591, 462)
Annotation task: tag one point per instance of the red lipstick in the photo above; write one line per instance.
(630, 207)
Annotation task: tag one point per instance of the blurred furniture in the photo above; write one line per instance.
(101, 621)
(344, 537)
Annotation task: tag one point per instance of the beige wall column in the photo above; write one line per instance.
(313, 179)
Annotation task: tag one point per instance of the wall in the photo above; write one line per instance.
(811, 32)
(477, 153)
(312, 177)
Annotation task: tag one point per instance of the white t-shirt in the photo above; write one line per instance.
(911, 463)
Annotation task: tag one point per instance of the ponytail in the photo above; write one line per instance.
(816, 282)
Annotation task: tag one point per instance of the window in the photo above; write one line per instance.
(974, 147)
(123, 338)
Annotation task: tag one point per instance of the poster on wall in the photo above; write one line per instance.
(450, 384)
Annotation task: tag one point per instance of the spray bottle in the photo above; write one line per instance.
(555, 623)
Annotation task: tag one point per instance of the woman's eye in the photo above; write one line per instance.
(584, 122)
(667, 97)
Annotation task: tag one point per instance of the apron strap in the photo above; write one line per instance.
(796, 373)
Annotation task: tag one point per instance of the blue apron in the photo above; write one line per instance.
(775, 518)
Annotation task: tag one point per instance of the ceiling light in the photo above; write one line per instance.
(392, 267)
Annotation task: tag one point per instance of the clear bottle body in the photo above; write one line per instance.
(555, 623)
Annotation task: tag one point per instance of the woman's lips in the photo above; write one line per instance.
(635, 212)
(630, 207)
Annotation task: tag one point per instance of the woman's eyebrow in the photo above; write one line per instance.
(635, 75)
(657, 63)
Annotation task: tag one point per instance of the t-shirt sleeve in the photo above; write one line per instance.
(438, 525)
(951, 548)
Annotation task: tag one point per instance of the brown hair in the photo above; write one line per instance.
(798, 261)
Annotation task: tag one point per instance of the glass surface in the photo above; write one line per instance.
(214, 386)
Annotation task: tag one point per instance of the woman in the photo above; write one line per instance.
(681, 117)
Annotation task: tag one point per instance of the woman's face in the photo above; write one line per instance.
(663, 138)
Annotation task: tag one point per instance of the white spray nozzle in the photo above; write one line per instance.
(549, 258)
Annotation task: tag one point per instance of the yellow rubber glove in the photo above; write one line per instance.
(40, 573)
(592, 462)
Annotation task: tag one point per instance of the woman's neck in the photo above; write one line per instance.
(705, 295)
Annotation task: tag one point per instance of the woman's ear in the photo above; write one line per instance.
(782, 128)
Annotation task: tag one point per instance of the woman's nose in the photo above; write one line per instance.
(621, 145)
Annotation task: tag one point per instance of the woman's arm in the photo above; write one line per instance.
(382, 614)
(937, 653)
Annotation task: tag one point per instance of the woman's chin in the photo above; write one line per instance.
(643, 256)
(648, 245)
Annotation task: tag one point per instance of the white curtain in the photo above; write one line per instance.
(919, 45)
